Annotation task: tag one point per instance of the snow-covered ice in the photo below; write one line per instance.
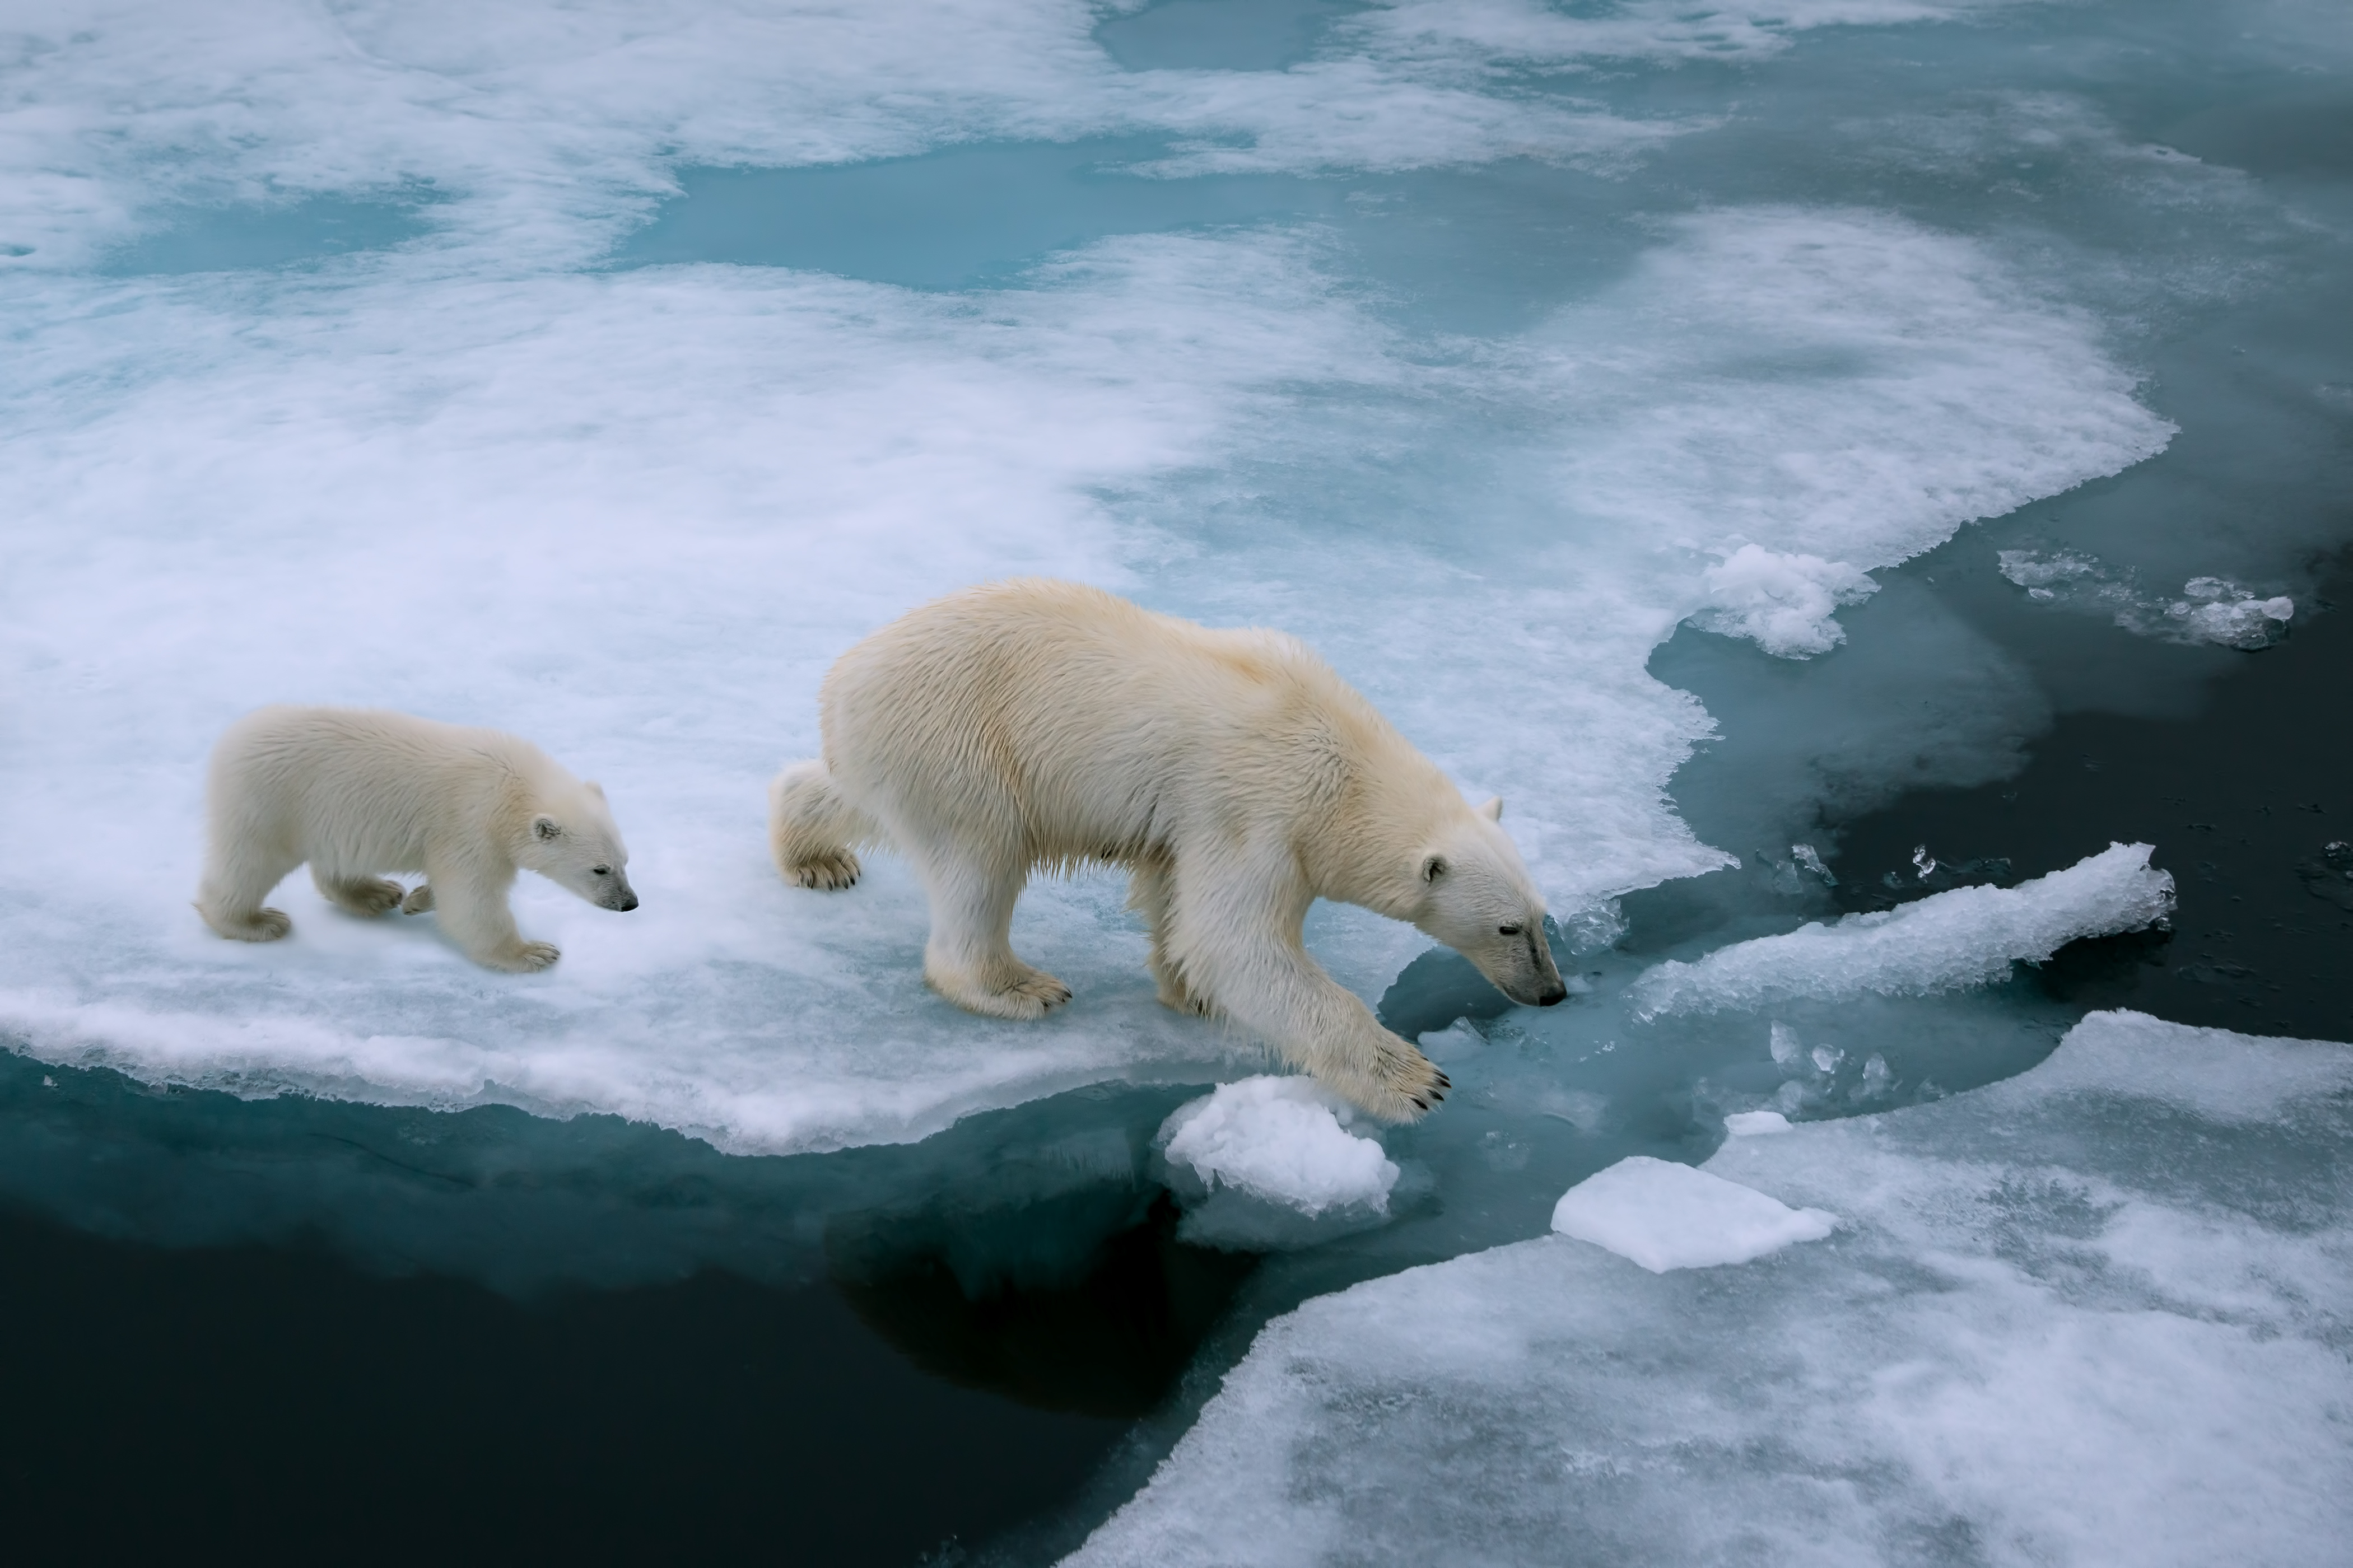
(1282, 1139)
(2094, 1313)
(1964, 937)
(1666, 1215)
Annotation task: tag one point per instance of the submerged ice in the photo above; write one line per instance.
(2093, 1313)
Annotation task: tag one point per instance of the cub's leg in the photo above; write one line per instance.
(1150, 890)
(238, 877)
(1237, 938)
(811, 828)
(473, 907)
(969, 959)
(369, 895)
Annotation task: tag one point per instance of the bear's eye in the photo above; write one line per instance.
(1507, 931)
(602, 870)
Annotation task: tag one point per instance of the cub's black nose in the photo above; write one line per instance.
(1552, 997)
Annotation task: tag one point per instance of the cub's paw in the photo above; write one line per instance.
(827, 873)
(369, 895)
(525, 957)
(419, 900)
(262, 925)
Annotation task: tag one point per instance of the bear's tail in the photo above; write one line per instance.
(812, 830)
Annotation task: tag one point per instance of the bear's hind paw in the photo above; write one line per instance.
(419, 900)
(826, 873)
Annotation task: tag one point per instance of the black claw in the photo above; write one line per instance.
(1445, 1082)
(1420, 1103)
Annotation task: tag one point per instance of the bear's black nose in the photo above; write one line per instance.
(629, 904)
(1553, 995)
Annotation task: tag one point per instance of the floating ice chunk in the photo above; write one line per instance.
(1809, 857)
(2085, 1315)
(1664, 1215)
(1967, 937)
(1785, 1044)
(1784, 602)
(2209, 610)
(1756, 1123)
(1457, 1040)
(1284, 1140)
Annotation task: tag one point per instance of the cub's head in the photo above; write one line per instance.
(1477, 899)
(572, 841)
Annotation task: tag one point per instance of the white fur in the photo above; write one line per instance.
(358, 790)
(1036, 724)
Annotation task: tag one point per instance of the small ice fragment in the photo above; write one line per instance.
(1806, 855)
(48, 1082)
(1664, 1215)
(2280, 610)
(1827, 1058)
(1756, 1123)
(1790, 1096)
(1280, 1139)
(1922, 862)
(1452, 1043)
(1580, 1107)
(1785, 1044)
(1876, 1076)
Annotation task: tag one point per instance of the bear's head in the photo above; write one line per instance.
(1477, 897)
(573, 842)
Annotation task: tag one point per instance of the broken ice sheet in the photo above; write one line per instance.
(1966, 937)
(2037, 1337)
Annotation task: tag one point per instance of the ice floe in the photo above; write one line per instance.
(1965, 937)
(2094, 1313)
(1665, 1216)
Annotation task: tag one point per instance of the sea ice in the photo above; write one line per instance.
(2094, 1313)
(1965, 937)
(1756, 1123)
(633, 512)
(1664, 1215)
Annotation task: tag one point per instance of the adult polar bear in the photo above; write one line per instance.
(1037, 723)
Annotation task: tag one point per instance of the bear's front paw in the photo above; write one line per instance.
(1032, 994)
(827, 873)
(1407, 1086)
(419, 900)
(262, 925)
(525, 957)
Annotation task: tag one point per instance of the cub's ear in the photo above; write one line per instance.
(596, 789)
(1433, 868)
(1493, 810)
(546, 827)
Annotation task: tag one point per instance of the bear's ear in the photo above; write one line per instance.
(545, 826)
(1493, 810)
(593, 787)
(1433, 868)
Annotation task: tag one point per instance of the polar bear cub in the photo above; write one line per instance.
(358, 790)
(1034, 723)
